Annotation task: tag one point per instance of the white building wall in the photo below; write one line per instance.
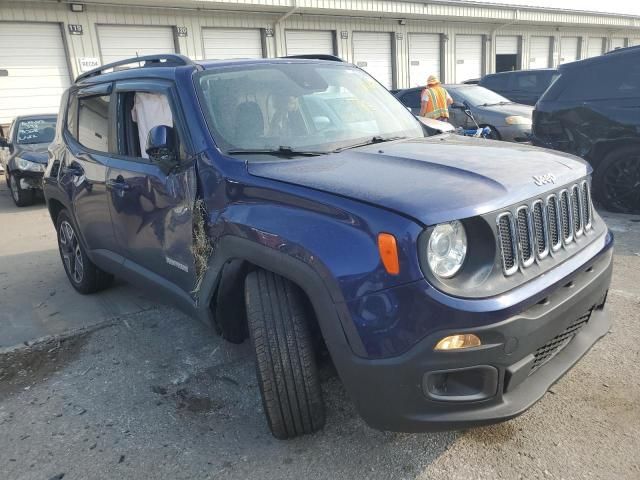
(340, 16)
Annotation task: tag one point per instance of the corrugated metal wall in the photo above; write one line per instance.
(432, 21)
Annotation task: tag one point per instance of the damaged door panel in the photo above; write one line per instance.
(152, 197)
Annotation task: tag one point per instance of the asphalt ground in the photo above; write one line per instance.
(153, 394)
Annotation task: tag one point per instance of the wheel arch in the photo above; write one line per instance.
(334, 324)
(603, 148)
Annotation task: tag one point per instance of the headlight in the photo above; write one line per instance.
(447, 249)
(29, 166)
(517, 120)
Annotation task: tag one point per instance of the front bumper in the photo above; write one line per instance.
(393, 393)
(32, 180)
(515, 133)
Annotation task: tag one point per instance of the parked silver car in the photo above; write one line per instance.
(508, 120)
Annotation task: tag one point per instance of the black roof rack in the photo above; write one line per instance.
(163, 60)
(316, 56)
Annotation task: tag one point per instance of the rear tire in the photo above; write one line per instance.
(285, 359)
(83, 274)
(21, 197)
(616, 181)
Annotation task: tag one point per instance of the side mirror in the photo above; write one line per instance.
(3, 142)
(162, 147)
(457, 106)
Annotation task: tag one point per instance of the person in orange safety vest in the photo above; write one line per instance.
(435, 100)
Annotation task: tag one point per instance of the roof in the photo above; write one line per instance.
(603, 58)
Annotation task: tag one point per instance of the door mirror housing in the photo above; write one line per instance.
(162, 147)
(3, 143)
(457, 106)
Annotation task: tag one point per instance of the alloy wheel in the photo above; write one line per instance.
(71, 253)
(14, 188)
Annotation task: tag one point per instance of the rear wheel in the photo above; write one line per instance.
(617, 181)
(83, 274)
(22, 197)
(285, 358)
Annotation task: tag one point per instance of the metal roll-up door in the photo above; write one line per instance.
(300, 42)
(118, 42)
(424, 57)
(634, 41)
(468, 57)
(227, 43)
(617, 43)
(595, 46)
(569, 49)
(33, 69)
(540, 52)
(372, 52)
(506, 45)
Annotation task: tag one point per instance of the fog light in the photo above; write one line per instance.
(455, 342)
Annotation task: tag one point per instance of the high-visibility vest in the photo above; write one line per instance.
(437, 107)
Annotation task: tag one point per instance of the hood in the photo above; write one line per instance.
(36, 152)
(431, 179)
(510, 109)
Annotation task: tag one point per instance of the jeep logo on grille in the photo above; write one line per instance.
(544, 179)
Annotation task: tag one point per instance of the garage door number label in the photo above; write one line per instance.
(75, 29)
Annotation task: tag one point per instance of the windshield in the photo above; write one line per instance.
(300, 107)
(36, 130)
(479, 96)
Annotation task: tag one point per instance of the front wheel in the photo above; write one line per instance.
(83, 274)
(22, 197)
(285, 360)
(617, 181)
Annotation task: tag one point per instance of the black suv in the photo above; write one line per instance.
(297, 203)
(593, 110)
(522, 86)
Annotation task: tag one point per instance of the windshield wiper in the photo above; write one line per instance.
(282, 151)
(371, 141)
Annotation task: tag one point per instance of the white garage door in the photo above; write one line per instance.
(228, 43)
(372, 52)
(595, 46)
(33, 69)
(506, 45)
(617, 43)
(424, 57)
(540, 52)
(468, 57)
(634, 41)
(568, 49)
(118, 42)
(301, 42)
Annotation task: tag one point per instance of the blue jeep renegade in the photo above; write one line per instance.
(296, 202)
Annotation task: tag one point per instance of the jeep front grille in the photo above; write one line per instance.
(534, 230)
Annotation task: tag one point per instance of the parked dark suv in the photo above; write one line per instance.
(297, 203)
(593, 110)
(520, 86)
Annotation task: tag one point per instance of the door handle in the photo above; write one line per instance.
(118, 183)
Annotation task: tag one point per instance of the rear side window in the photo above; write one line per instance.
(613, 79)
(93, 122)
(72, 116)
(495, 82)
(529, 82)
(412, 99)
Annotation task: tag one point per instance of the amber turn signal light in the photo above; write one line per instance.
(388, 248)
(456, 342)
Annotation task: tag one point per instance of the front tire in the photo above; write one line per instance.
(285, 358)
(617, 181)
(21, 197)
(83, 274)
